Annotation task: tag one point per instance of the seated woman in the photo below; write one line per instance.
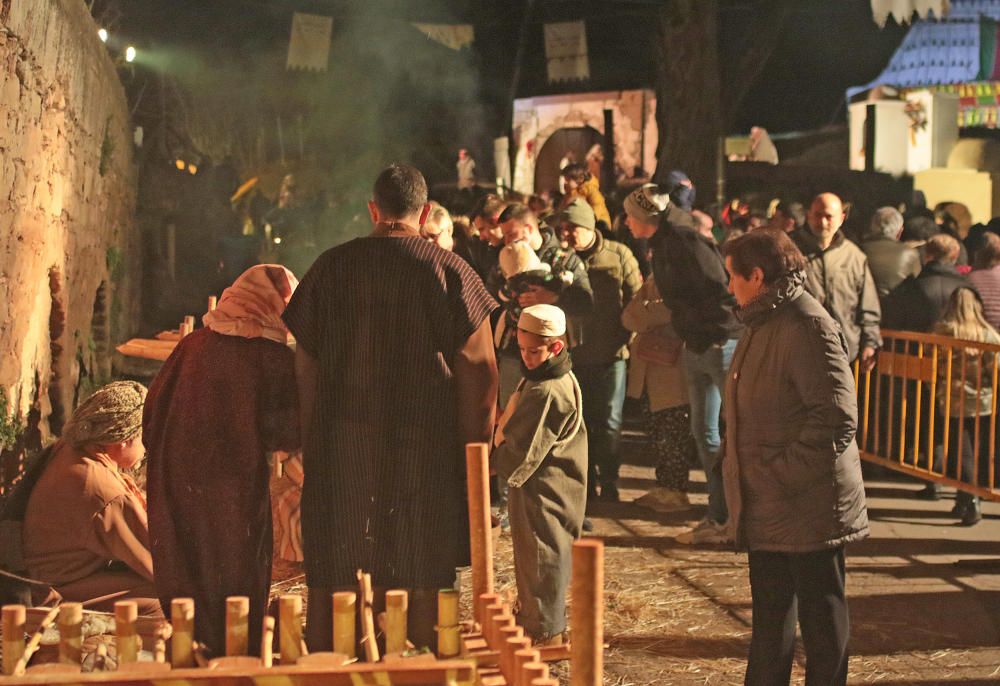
(85, 528)
(223, 400)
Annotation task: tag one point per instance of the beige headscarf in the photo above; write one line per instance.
(111, 415)
(252, 306)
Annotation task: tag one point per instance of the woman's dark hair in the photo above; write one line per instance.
(769, 250)
(576, 172)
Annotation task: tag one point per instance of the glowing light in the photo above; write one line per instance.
(130, 54)
(103, 35)
(180, 164)
(277, 239)
(192, 169)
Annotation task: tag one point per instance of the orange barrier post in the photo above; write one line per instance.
(481, 538)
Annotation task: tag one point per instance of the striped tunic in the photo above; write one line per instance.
(384, 470)
(987, 282)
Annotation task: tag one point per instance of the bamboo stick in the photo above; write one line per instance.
(14, 617)
(237, 629)
(267, 642)
(70, 633)
(126, 638)
(396, 607)
(290, 628)
(36, 639)
(182, 619)
(448, 628)
(587, 614)
(344, 616)
(480, 532)
(368, 617)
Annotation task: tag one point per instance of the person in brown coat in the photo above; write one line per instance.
(85, 530)
(791, 468)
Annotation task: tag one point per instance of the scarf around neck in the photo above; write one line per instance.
(552, 368)
(784, 290)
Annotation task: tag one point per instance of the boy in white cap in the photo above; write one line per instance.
(542, 455)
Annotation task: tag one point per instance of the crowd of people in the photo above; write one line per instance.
(524, 326)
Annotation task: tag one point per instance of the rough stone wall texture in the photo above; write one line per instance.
(69, 249)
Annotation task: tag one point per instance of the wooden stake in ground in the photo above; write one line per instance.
(14, 617)
(237, 625)
(587, 613)
(477, 467)
(290, 628)
(532, 671)
(182, 621)
(344, 617)
(396, 607)
(213, 302)
(36, 640)
(267, 642)
(368, 617)
(448, 628)
(126, 638)
(71, 633)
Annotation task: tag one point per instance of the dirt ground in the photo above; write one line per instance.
(924, 593)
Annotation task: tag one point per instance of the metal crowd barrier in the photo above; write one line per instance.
(908, 422)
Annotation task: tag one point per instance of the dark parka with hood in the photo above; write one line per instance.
(791, 467)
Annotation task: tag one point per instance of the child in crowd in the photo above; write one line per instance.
(542, 455)
(521, 269)
(968, 402)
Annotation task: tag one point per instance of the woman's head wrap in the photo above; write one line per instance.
(111, 415)
(252, 306)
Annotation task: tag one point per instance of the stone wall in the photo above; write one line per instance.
(69, 250)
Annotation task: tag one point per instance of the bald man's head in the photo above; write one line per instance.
(826, 216)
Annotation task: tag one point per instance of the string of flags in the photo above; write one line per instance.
(565, 44)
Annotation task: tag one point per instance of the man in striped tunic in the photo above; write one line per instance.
(396, 372)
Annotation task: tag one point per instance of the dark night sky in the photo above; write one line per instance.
(827, 46)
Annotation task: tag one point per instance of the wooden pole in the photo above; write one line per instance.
(532, 671)
(545, 681)
(480, 532)
(344, 617)
(524, 654)
(213, 302)
(484, 601)
(290, 628)
(70, 633)
(189, 322)
(182, 620)
(267, 642)
(396, 607)
(587, 613)
(237, 625)
(492, 621)
(14, 617)
(126, 638)
(509, 636)
(36, 640)
(368, 617)
(448, 628)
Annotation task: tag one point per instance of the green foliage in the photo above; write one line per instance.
(107, 149)
(11, 426)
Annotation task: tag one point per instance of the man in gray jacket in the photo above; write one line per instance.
(837, 275)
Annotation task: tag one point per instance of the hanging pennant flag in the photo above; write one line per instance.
(309, 47)
(566, 51)
(454, 36)
(903, 10)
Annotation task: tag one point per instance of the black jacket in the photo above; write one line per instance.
(891, 262)
(918, 303)
(691, 277)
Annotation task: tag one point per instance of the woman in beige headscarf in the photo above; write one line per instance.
(85, 529)
(223, 400)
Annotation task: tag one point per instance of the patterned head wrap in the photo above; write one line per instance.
(111, 415)
(252, 306)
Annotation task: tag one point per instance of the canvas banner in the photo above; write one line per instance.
(902, 10)
(454, 36)
(566, 51)
(309, 46)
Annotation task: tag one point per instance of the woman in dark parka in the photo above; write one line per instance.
(791, 467)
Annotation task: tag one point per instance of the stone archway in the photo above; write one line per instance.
(578, 139)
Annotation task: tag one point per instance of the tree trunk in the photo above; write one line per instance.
(688, 92)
